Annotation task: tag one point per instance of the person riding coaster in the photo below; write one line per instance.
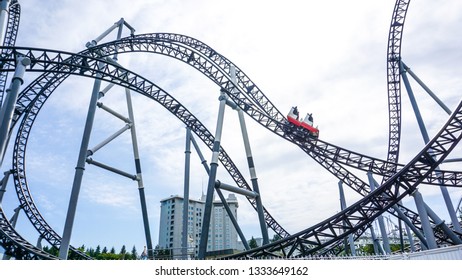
(306, 123)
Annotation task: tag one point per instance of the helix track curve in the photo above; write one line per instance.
(248, 97)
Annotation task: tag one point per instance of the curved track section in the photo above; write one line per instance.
(14, 14)
(13, 243)
(244, 93)
(358, 217)
(67, 65)
(251, 99)
(256, 105)
(394, 83)
(16, 246)
(53, 80)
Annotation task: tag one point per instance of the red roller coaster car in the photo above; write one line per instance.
(301, 127)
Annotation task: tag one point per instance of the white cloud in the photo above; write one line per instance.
(328, 58)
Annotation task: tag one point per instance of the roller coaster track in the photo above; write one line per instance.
(357, 217)
(48, 84)
(14, 244)
(394, 83)
(250, 98)
(14, 13)
(216, 67)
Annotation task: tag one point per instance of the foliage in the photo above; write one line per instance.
(368, 249)
(99, 254)
(253, 243)
(275, 238)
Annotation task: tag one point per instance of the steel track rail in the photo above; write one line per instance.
(250, 98)
(261, 99)
(11, 241)
(359, 216)
(16, 246)
(395, 37)
(14, 14)
(47, 87)
(47, 63)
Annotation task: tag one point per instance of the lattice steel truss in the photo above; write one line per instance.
(399, 180)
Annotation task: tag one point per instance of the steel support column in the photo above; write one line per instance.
(383, 231)
(187, 163)
(7, 110)
(251, 164)
(79, 169)
(441, 224)
(409, 225)
(427, 89)
(232, 218)
(375, 242)
(3, 184)
(3, 18)
(14, 218)
(426, 226)
(212, 177)
(426, 138)
(342, 207)
(144, 209)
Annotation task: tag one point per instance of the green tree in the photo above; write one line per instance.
(91, 252)
(253, 243)
(97, 251)
(51, 250)
(123, 250)
(367, 249)
(81, 248)
(104, 251)
(134, 254)
(275, 238)
(112, 250)
(108, 256)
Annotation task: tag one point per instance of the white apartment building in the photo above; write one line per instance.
(222, 234)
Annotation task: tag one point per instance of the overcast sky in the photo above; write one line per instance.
(326, 57)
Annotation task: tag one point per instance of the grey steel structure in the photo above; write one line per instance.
(326, 237)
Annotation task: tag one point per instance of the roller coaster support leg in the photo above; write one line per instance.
(7, 110)
(212, 178)
(4, 181)
(139, 176)
(233, 219)
(79, 169)
(428, 90)
(440, 223)
(14, 219)
(342, 207)
(187, 152)
(253, 173)
(383, 231)
(105, 33)
(3, 17)
(427, 229)
(228, 210)
(39, 242)
(201, 157)
(426, 138)
(377, 246)
(409, 225)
